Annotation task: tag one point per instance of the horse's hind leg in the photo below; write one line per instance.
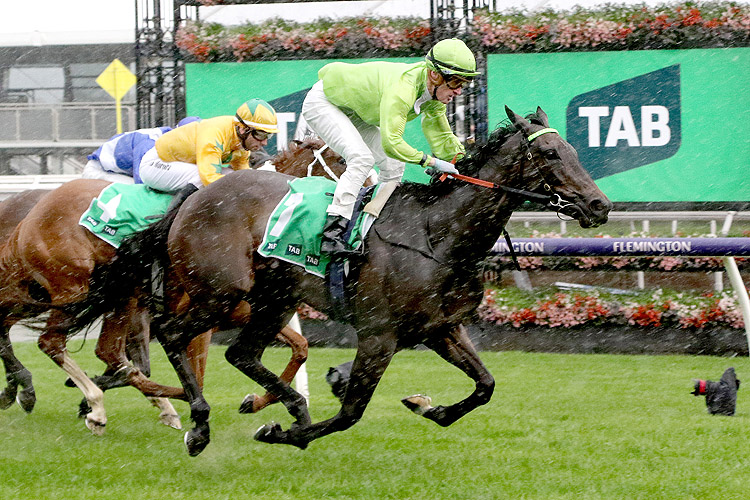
(15, 375)
(174, 336)
(457, 349)
(245, 354)
(53, 343)
(254, 403)
(197, 352)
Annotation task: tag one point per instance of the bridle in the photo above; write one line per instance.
(552, 200)
(318, 154)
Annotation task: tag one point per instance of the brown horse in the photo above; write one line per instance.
(46, 264)
(417, 282)
(301, 158)
(12, 212)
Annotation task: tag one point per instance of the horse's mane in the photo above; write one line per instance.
(478, 154)
(287, 154)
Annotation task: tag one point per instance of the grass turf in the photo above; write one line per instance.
(558, 427)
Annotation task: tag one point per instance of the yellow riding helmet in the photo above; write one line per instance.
(451, 57)
(258, 114)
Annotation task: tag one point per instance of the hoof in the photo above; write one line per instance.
(26, 399)
(272, 434)
(418, 403)
(269, 433)
(96, 428)
(83, 408)
(171, 420)
(195, 442)
(247, 404)
(6, 400)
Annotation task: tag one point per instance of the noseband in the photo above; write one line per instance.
(318, 154)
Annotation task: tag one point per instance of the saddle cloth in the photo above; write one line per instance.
(294, 230)
(123, 209)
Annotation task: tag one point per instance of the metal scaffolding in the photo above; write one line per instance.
(160, 94)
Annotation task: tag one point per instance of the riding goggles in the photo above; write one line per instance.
(454, 83)
(259, 135)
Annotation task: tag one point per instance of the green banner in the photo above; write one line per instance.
(650, 126)
(220, 88)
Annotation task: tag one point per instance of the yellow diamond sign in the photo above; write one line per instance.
(116, 79)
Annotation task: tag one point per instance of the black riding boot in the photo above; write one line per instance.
(333, 242)
(180, 197)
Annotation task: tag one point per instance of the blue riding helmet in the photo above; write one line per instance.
(188, 119)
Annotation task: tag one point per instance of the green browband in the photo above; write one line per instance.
(541, 132)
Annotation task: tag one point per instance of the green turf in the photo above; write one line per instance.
(558, 427)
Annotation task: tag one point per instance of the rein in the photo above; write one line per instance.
(318, 154)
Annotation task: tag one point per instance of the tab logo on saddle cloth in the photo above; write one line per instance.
(628, 124)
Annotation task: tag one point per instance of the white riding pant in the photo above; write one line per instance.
(168, 176)
(358, 142)
(94, 170)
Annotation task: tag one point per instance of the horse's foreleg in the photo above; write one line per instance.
(53, 343)
(15, 375)
(173, 339)
(457, 349)
(374, 354)
(252, 402)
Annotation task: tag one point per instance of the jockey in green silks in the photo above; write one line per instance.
(361, 110)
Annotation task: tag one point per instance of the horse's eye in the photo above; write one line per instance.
(551, 154)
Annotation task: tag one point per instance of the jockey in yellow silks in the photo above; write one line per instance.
(197, 154)
(361, 110)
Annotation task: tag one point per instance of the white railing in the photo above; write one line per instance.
(10, 184)
(60, 123)
(645, 218)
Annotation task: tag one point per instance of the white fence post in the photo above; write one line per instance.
(740, 291)
(300, 380)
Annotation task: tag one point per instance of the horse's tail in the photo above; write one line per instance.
(132, 270)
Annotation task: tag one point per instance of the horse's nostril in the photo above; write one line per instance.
(597, 206)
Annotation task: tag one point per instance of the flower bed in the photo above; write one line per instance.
(611, 27)
(615, 27)
(573, 309)
(553, 309)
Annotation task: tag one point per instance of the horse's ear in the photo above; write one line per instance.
(519, 121)
(542, 116)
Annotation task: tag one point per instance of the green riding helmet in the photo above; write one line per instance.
(451, 57)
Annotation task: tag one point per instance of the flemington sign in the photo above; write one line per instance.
(648, 125)
(634, 247)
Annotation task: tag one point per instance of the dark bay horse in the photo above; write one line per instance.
(46, 261)
(418, 281)
(12, 212)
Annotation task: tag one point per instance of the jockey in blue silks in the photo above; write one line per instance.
(118, 159)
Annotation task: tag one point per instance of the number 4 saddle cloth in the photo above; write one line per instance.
(123, 209)
(294, 231)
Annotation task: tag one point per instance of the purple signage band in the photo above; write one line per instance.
(624, 247)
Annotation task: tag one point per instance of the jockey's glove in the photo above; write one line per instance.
(444, 167)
